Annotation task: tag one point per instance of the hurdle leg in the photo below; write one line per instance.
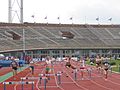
(89, 74)
(4, 86)
(82, 74)
(75, 75)
(59, 79)
(22, 86)
(40, 80)
(32, 86)
(45, 81)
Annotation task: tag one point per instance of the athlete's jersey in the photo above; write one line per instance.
(14, 64)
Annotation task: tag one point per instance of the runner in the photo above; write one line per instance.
(14, 66)
(98, 63)
(68, 63)
(106, 67)
(32, 67)
(82, 67)
(48, 67)
(47, 71)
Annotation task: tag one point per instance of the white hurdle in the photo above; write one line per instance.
(20, 82)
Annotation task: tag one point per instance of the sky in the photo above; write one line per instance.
(81, 11)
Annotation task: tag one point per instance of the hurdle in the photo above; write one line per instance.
(44, 77)
(89, 72)
(20, 82)
(58, 74)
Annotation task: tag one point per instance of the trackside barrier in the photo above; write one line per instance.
(110, 68)
(20, 82)
(119, 68)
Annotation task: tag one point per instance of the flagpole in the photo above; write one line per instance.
(71, 19)
(58, 20)
(85, 20)
(24, 43)
(46, 19)
(110, 20)
(33, 16)
(97, 19)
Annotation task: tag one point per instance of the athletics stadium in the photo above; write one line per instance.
(38, 47)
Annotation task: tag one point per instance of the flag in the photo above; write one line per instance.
(110, 19)
(33, 16)
(58, 17)
(71, 18)
(45, 17)
(97, 18)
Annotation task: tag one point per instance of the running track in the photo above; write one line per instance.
(67, 80)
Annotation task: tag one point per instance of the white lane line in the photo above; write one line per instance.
(113, 82)
(49, 87)
(67, 82)
(110, 82)
(101, 85)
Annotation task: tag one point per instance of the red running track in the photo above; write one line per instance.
(97, 82)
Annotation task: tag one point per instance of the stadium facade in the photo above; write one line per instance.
(59, 40)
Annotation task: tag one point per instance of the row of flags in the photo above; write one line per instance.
(97, 19)
(57, 17)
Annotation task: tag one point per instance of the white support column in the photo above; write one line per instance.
(9, 12)
(21, 12)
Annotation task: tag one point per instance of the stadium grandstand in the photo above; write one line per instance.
(59, 40)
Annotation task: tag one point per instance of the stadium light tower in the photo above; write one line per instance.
(15, 8)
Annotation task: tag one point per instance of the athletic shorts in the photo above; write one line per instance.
(98, 63)
(82, 67)
(47, 69)
(15, 68)
(68, 64)
(106, 69)
(32, 67)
